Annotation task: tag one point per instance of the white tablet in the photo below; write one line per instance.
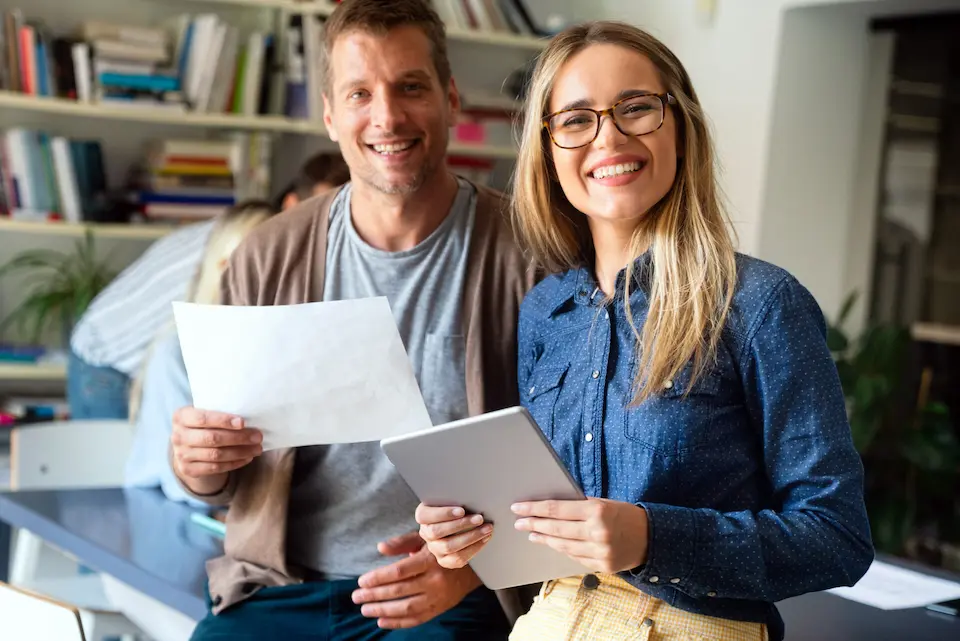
(486, 463)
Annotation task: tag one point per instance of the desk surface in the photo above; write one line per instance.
(824, 617)
(150, 543)
(134, 535)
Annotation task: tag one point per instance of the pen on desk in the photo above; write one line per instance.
(210, 524)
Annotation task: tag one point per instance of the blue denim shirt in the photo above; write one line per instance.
(751, 482)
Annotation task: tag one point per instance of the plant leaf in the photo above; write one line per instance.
(891, 522)
(837, 340)
(846, 308)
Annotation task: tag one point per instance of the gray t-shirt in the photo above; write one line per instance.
(346, 498)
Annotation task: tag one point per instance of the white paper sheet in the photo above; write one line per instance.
(311, 374)
(889, 587)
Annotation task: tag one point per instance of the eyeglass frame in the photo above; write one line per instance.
(666, 99)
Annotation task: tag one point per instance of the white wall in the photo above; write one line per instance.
(731, 62)
(814, 148)
(791, 188)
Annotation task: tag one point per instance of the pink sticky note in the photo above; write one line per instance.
(470, 132)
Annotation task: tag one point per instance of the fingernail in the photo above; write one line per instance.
(356, 596)
(256, 437)
(236, 421)
(487, 529)
(520, 524)
(476, 519)
(516, 508)
(534, 537)
(457, 512)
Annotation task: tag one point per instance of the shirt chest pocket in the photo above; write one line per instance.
(674, 422)
(541, 397)
(442, 378)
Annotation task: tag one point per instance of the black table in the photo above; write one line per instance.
(824, 617)
(149, 543)
(135, 535)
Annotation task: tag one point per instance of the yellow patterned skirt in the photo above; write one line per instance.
(566, 610)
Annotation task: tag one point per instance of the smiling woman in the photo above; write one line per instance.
(689, 390)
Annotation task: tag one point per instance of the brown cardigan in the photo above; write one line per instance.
(282, 263)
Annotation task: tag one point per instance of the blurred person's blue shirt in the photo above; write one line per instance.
(165, 390)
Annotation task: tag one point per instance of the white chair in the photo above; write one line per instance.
(26, 616)
(63, 455)
(69, 454)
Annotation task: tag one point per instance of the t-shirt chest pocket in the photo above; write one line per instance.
(674, 420)
(541, 397)
(442, 379)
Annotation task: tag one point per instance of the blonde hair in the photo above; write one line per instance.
(693, 266)
(229, 230)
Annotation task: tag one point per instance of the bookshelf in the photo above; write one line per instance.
(325, 9)
(102, 230)
(230, 122)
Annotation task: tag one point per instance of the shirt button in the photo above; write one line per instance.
(654, 579)
(588, 437)
(590, 581)
(711, 594)
(668, 384)
(596, 373)
(674, 580)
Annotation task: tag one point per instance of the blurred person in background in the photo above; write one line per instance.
(162, 387)
(110, 339)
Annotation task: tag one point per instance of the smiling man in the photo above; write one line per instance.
(321, 541)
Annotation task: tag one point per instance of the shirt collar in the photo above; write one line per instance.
(581, 287)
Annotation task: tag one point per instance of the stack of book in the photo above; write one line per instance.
(42, 175)
(24, 410)
(494, 16)
(189, 180)
(128, 66)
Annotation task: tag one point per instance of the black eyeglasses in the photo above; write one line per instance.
(634, 116)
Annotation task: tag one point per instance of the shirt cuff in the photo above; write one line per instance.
(671, 547)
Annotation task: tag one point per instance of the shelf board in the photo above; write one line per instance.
(101, 230)
(278, 124)
(64, 107)
(32, 372)
(936, 333)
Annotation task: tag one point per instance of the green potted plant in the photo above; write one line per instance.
(910, 450)
(60, 286)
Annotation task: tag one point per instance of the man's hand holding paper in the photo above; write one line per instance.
(312, 374)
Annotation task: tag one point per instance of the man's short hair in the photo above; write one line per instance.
(379, 17)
